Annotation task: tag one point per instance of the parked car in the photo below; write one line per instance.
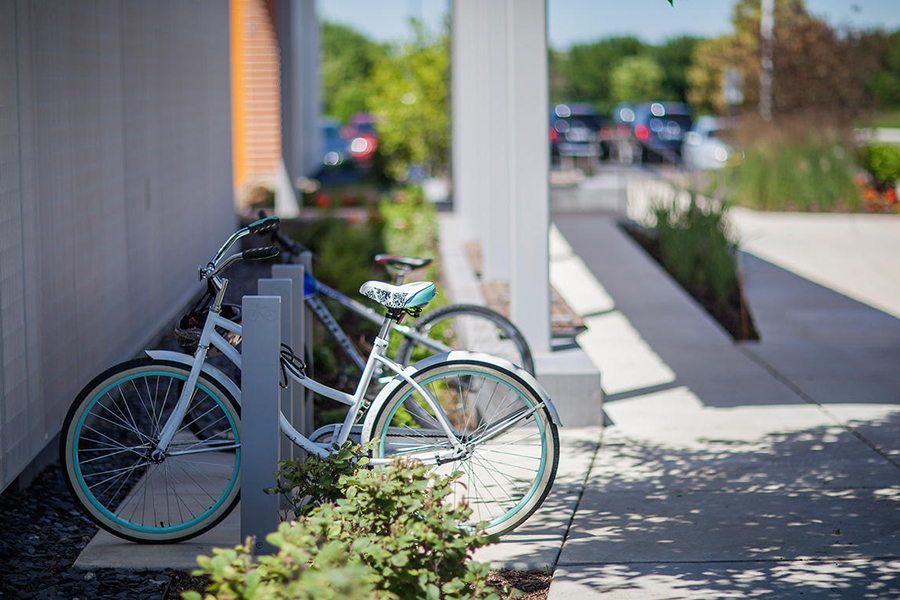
(708, 145)
(578, 130)
(659, 128)
(362, 134)
(335, 148)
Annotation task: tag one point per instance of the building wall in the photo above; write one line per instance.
(256, 91)
(115, 184)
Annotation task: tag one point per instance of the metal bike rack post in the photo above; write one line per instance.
(306, 259)
(299, 417)
(260, 434)
(283, 288)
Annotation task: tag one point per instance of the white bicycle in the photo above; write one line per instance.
(151, 448)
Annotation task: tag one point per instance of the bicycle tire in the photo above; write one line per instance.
(504, 478)
(105, 446)
(468, 327)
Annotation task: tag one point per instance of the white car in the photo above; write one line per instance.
(706, 145)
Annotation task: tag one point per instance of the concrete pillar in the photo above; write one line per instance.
(530, 171)
(500, 149)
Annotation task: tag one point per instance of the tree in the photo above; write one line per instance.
(587, 69)
(675, 58)
(814, 67)
(883, 82)
(636, 79)
(348, 60)
(408, 93)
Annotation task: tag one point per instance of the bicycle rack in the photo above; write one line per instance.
(274, 316)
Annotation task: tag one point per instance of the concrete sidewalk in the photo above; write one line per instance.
(763, 469)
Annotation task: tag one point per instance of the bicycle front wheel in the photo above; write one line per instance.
(509, 444)
(467, 327)
(107, 444)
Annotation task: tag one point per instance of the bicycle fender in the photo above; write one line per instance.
(208, 369)
(450, 357)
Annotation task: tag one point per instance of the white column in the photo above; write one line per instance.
(500, 148)
(529, 181)
(298, 41)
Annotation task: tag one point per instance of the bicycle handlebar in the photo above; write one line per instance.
(260, 253)
(216, 265)
(263, 225)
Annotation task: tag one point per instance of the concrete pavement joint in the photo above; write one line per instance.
(810, 400)
(587, 477)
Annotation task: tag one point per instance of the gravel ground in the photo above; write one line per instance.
(43, 533)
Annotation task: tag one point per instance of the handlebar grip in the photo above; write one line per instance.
(260, 253)
(264, 225)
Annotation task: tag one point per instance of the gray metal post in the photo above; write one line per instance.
(306, 260)
(298, 416)
(283, 288)
(259, 417)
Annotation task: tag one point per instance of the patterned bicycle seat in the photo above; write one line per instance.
(408, 295)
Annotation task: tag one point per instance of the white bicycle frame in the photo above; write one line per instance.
(356, 401)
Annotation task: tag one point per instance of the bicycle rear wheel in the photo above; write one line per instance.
(510, 442)
(467, 327)
(106, 443)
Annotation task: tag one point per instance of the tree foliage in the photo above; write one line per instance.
(409, 93)
(348, 61)
(636, 79)
(883, 81)
(815, 68)
(586, 72)
(675, 58)
(587, 69)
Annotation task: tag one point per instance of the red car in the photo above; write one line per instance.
(363, 137)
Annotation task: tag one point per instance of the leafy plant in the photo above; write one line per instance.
(410, 226)
(389, 533)
(694, 247)
(316, 480)
(883, 162)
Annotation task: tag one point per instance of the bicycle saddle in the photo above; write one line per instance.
(409, 295)
(389, 260)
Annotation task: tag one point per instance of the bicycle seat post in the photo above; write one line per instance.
(400, 274)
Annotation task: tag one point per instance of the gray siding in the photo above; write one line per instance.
(115, 184)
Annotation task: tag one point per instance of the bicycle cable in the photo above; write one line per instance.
(292, 363)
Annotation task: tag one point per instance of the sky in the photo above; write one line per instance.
(578, 21)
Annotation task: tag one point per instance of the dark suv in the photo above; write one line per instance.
(578, 130)
(660, 127)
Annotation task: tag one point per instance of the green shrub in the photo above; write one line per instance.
(410, 226)
(308, 483)
(811, 174)
(804, 162)
(883, 162)
(694, 247)
(387, 533)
